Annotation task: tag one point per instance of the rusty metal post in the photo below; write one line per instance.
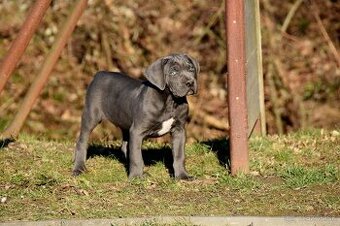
(10, 60)
(235, 27)
(40, 81)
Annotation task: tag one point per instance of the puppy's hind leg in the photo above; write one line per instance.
(88, 122)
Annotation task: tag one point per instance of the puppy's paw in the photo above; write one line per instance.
(133, 176)
(184, 176)
(78, 170)
(135, 173)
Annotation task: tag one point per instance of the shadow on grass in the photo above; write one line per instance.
(151, 156)
(5, 142)
(221, 148)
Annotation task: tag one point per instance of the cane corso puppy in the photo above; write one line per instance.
(142, 109)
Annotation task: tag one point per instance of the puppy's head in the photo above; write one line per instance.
(178, 72)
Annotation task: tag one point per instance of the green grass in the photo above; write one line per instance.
(296, 174)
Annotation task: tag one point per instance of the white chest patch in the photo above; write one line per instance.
(166, 126)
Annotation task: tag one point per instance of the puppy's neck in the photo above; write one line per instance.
(165, 95)
(172, 98)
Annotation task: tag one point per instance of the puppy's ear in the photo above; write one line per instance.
(155, 74)
(195, 63)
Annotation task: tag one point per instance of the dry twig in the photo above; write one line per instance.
(290, 15)
(323, 30)
(207, 119)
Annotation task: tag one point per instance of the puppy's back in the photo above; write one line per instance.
(112, 94)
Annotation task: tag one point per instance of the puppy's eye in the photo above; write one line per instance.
(174, 72)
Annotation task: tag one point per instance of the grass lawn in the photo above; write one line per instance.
(296, 174)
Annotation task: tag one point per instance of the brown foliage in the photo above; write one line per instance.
(127, 35)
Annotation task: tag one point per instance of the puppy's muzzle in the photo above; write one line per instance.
(191, 84)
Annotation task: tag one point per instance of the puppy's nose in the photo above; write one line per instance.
(190, 83)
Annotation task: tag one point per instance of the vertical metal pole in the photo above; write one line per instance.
(260, 72)
(19, 45)
(41, 79)
(235, 27)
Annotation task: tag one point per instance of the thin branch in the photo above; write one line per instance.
(107, 50)
(323, 30)
(205, 118)
(274, 96)
(290, 15)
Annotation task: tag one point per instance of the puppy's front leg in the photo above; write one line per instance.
(135, 154)
(178, 146)
(88, 123)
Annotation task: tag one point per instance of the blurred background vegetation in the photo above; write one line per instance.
(300, 60)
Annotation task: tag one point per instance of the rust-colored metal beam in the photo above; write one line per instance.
(42, 78)
(10, 60)
(235, 27)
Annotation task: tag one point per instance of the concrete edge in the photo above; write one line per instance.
(195, 220)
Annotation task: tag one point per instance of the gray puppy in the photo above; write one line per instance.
(142, 109)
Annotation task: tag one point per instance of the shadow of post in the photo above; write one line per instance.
(221, 148)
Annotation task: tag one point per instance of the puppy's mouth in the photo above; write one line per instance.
(190, 92)
(182, 93)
